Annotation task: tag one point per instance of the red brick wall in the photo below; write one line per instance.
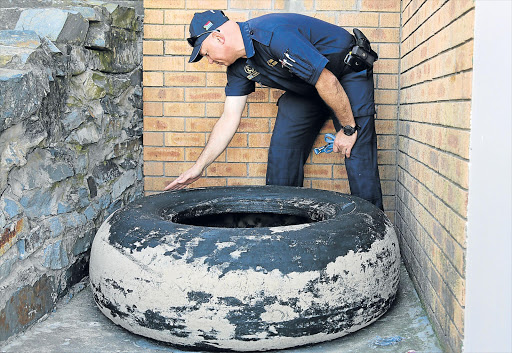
(182, 101)
(433, 155)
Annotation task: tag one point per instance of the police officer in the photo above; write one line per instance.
(305, 57)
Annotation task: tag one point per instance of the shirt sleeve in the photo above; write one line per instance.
(238, 84)
(298, 54)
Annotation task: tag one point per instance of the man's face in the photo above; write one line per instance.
(215, 50)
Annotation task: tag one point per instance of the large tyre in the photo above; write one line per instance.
(245, 268)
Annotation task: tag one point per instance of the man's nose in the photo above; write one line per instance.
(210, 61)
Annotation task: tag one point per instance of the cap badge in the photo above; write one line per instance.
(208, 25)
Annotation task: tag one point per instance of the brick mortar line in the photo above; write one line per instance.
(397, 113)
(409, 230)
(437, 172)
(438, 54)
(438, 328)
(439, 78)
(434, 57)
(438, 31)
(428, 280)
(426, 19)
(415, 11)
(386, 89)
(436, 125)
(437, 101)
(435, 195)
(430, 235)
(436, 149)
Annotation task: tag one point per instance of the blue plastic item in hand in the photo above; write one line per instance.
(329, 138)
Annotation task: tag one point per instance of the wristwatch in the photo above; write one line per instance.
(349, 130)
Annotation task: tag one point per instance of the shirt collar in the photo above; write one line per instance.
(247, 38)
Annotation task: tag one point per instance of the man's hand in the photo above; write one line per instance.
(221, 135)
(185, 179)
(333, 94)
(344, 143)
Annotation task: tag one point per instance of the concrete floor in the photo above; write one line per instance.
(78, 326)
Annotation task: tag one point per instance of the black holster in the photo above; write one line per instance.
(362, 56)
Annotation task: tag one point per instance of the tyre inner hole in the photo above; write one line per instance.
(242, 220)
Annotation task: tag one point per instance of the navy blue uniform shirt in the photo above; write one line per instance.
(289, 51)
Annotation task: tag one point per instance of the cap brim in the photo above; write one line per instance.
(195, 56)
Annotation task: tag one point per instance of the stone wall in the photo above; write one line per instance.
(70, 146)
(10, 10)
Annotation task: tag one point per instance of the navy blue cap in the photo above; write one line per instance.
(202, 24)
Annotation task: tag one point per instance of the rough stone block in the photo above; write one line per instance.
(21, 249)
(22, 39)
(15, 142)
(99, 36)
(20, 96)
(120, 16)
(124, 17)
(83, 244)
(73, 119)
(37, 203)
(40, 171)
(15, 57)
(75, 220)
(55, 256)
(77, 61)
(83, 197)
(85, 135)
(20, 48)
(105, 172)
(55, 226)
(93, 13)
(10, 235)
(8, 260)
(91, 212)
(26, 306)
(11, 207)
(8, 18)
(124, 182)
(88, 86)
(124, 59)
(60, 26)
(35, 239)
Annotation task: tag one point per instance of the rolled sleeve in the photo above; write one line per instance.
(238, 84)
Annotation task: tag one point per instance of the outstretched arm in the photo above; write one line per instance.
(333, 94)
(221, 135)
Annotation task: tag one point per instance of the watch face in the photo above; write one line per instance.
(348, 130)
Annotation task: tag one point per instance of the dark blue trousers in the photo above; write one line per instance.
(299, 120)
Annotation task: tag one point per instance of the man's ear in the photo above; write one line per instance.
(218, 37)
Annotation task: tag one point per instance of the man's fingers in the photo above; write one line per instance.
(170, 186)
(175, 184)
(182, 181)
